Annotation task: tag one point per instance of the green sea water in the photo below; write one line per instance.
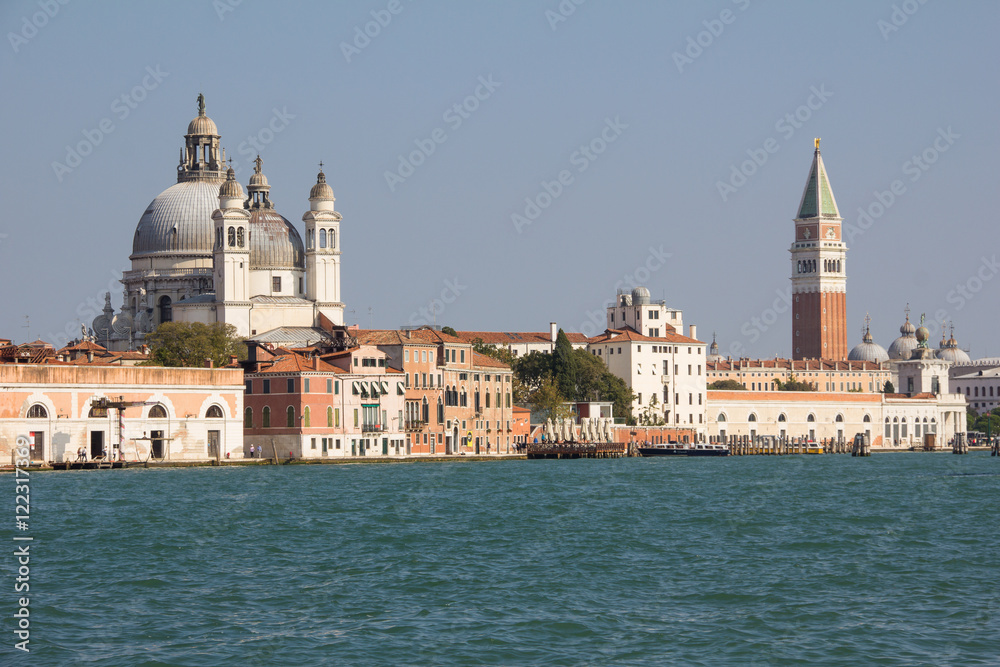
(826, 560)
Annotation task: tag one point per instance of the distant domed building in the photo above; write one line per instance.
(903, 347)
(713, 351)
(950, 351)
(868, 349)
(204, 252)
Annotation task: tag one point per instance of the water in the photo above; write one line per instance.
(828, 560)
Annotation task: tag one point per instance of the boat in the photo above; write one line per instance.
(677, 449)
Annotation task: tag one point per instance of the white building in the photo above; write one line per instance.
(667, 372)
(204, 252)
(646, 317)
(981, 389)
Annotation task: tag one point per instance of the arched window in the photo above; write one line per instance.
(721, 417)
(240, 233)
(440, 412)
(290, 417)
(782, 418)
(214, 412)
(232, 236)
(333, 238)
(867, 419)
(306, 418)
(752, 417)
(248, 418)
(487, 399)
(310, 239)
(811, 418)
(166, 312)
(839, 419)
(265, 417)
(94, 414)
(329, 416)
(38, 411)
(157, 412)
(322, 238)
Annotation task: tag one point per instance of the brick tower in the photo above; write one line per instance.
(819, 272)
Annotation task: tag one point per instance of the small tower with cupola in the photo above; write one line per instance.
(231, 263)
(819, 272)
(323, 251)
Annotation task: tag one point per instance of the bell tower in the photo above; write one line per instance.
(323, 250)
(819, 272)
(231, 257)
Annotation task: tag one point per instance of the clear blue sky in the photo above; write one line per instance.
(686, 114)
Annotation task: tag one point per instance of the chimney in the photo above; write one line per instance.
(694, 331)
(90, 356)
(233, 360)
(209, 363)
(315, 363)
(553, 331)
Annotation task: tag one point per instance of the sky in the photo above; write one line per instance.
(503, 165)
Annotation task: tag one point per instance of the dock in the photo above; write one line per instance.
(578, 450)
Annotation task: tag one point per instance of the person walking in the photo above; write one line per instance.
(260, 452)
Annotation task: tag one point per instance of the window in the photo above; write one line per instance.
(166, 312)
(322, 238)
(333, 238)
(232, 237)
(267, 386)
(291, 385)
(811, 418)
(305, 417)
(336, 387)
(37, 411)
(248, 387)
(155, 412)
(290, 417)
(329, 417)
(240, 240)
(305, 389)
(265, 417)
(248, 418)
(214, 412)
(276, 284)
(462, 357)
(355, 417)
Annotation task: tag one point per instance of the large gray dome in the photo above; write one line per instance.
(868, 350)
(274, 242)
(178, 221)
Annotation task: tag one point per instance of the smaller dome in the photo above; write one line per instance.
(954, 355)
(868, 350)
(907, 328)
(321, 190)
(258, 180)
(713, 351)
(231, 188)
(640, 296)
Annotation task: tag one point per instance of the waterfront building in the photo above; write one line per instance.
(819, 272)
(822, 375)
(205, 252)
(311, 403)
(458, 401)
(153, 413)
(637, 311)
(981, 388)
(666, 373)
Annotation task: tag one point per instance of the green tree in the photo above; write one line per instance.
(495, 351)
(546, 400)
(564, 365)
(191, 343)
(730, 385)
(888, 388)
(532, 369)
(792, 384)
(449, 331)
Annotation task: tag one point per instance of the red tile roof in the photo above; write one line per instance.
(486, 361)
(628, 334)
(516, 337)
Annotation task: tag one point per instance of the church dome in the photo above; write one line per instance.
(640, 296)
(321, 190)
(259, 180)
(202, 125)
(954, 354)
(868, 350)
(179, 220)
(713, 351)
(231, 188)
(903, 347)
(274, 242)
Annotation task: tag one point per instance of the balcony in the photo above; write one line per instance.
(372, 428)
(414, 425)
(166, 273)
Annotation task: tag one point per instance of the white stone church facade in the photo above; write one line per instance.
(205, 252)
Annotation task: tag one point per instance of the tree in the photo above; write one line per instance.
(564, 365)
(494, 351)
(532, 369)
(728, 385)
(547, 401)
(888, 388)
(791, 384)
(449, 331)
(191, 343)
